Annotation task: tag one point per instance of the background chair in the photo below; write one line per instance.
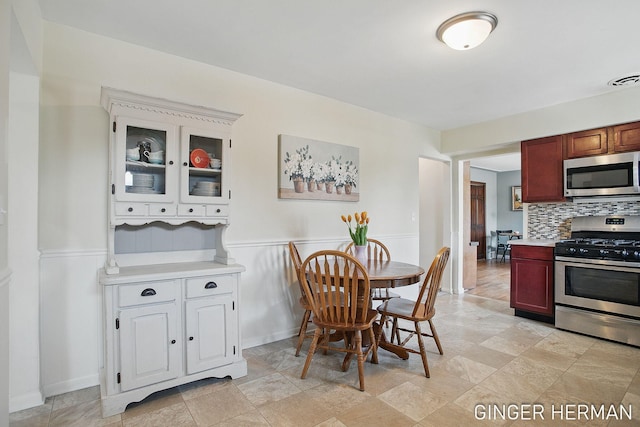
(421, 310)
(337, 287)
(493, 245)
(297, 264)
(376, 250)
(503, 245)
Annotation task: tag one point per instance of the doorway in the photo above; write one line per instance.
(478, 217)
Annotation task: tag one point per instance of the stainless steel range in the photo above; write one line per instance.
(597, 278)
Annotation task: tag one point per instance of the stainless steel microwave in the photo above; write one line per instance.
(608, 175)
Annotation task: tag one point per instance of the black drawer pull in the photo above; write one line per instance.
(217, 210)
(211, 285)
(130, 210)
(148, 292)
(190, 338)
(170, 162)
(190, 210)
(163, 210)
(173, 341)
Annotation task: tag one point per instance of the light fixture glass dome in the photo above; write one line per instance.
(467, 30)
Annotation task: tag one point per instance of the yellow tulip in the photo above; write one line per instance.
(349, 217)
(357, 215)
(344, 218)
(367, 220)
(364, 214)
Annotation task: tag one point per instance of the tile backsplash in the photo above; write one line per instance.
(553, 220)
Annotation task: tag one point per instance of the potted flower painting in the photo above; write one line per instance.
(317, 170)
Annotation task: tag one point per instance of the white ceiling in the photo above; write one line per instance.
(499, 163)
(383, 55)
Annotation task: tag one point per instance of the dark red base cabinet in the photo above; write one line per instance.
(532, 281)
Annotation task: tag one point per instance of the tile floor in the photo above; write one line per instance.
(491, 358)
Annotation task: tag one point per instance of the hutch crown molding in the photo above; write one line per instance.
(170, 286)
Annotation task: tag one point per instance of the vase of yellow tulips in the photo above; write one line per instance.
(358, 233)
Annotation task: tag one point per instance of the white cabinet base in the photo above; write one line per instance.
(168, 325)
(117, 403)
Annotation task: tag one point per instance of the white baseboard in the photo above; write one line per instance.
(71, 385)
(26, 401)
(269, 338)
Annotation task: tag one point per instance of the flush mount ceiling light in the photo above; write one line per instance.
(630, 80)
(467, 30)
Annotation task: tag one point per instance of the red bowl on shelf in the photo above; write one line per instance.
(199, 158)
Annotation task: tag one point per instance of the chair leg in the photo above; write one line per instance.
(434, 334)
(358, 345)
(312, 349)
(374, 346)
(302, 333)
(423, 350)
(395, 331)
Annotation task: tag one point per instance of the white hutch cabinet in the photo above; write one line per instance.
(170, 287)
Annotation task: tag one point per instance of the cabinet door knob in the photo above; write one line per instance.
(170, 162)
(185, 164)
(217, 210)
(173, 341)
(190, 338)
(163, 210)
(211, 285)
(190, 210)
(148, 292)
(130, 210)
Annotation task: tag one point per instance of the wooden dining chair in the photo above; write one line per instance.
(421, 310)
(337, 287)
(304, 303)
(376, 250)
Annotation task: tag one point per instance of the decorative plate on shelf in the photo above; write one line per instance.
(199, 158)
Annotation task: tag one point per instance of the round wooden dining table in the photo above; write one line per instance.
(392, 274)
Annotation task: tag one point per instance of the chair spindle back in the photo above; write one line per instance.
(337, 287)
(432, 282)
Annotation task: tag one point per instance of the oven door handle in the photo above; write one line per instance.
(600, 263)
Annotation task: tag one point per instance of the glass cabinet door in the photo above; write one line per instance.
(203, 178)
(144, 163)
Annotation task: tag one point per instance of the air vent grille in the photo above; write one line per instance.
(630, 80)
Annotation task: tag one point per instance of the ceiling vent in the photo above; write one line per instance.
(631, 80)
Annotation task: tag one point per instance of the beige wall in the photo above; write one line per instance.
(619, 105)
(74, 143)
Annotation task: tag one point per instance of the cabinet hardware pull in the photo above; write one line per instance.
(130, 210)
(170, 162)
(211, 285)
(173, 341)
(163, 210)
(190, 338)
(190, 210)
(217, 210)
(185, 164)
(148, 292)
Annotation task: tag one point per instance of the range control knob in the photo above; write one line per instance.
(583, 251)
(604, 252)
(636, 254)
(572, 250)
(625, 253)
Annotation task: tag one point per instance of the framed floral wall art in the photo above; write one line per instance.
(317, 170)
(516, 198)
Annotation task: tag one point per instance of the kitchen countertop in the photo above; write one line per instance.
(534, 242)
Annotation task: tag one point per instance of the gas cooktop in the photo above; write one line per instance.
(615, 237)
